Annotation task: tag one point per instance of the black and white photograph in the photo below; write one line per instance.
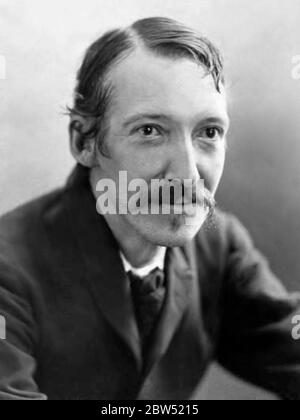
(149, 203)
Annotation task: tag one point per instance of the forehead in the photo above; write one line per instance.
(180, 87)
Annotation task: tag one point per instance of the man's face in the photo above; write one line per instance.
(167, 121)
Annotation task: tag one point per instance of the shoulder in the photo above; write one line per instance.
(19, 224)
(22, 232)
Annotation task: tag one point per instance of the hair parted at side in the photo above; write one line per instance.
(161, 35)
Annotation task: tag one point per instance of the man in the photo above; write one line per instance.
(136, 306)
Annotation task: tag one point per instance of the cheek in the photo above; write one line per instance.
(220, 162)
(219, 169)
(140, 162)
(212, 171)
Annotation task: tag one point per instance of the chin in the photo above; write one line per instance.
(168, 231)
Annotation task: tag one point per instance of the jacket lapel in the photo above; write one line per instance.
(99, 253)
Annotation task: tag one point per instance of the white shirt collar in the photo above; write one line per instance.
(157, 262)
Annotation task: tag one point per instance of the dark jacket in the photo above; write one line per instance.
(71, 330)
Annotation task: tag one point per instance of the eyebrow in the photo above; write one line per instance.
(225, 121)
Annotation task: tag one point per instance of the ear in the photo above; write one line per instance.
(82, 149)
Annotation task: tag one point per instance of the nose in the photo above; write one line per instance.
(183, 161)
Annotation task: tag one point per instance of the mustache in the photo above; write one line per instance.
(186, 197)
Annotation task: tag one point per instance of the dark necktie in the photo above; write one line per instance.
(148, 295)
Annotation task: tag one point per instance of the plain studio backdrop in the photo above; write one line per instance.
(42, 44)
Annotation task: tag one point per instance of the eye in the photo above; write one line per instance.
(149, 131)
(211, 133)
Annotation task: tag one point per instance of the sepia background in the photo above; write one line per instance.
(42, 43)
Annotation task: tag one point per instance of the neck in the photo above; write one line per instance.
(136, 249)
